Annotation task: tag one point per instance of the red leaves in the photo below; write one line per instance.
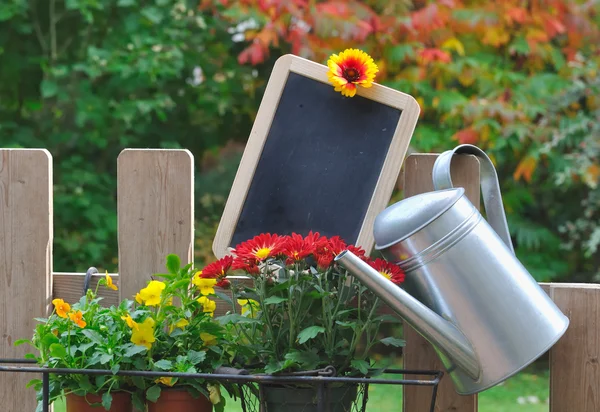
(254, 54)
(466, 136)
(431, 55)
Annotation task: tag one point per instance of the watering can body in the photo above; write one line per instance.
(465, 291)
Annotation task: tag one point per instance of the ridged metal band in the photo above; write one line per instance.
(439, 247)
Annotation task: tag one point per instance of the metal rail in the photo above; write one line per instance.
(319, 381)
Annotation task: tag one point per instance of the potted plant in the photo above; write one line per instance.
(85, 336)
(172, 320)
(302, 313)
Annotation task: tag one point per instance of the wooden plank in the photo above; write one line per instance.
(25, 261)
(155, 207)
(69, 287)
(574, 360)
(418, 353)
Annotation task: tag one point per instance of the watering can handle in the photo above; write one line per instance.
(490, 188)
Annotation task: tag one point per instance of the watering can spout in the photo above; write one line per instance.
(448, 340)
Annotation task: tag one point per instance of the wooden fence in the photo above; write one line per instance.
(155, 207)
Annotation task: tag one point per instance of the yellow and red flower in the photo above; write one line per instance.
(249, 254)
(389, 270)
(351, 68)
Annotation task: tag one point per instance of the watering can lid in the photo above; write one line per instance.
(408, 216)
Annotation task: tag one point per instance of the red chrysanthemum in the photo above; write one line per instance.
(327, 249)
(223, 284)
(389, 270)
(260, 247)
(218, 270)
(249, 266)
(297, 247)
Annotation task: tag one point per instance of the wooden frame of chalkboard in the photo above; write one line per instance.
(295, 81)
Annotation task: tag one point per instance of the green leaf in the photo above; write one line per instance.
(154, 14)
(305, 359)
(93, 336)
(126, 3)
(105, 358)
(138, 402)
(360, 365)
(153, 393)
(139, 382)
(273, 300)
(48, 88)
(195, 357)
(220, 407)
(49, 339)
(310, 333)
(85, 346)
(43, 320)
(134, 350)
(388, 319)
(106, 400)
(274, 366)
(85, 383)
(115, 369)
(393, 342)
(235, 318)
(163, 364)
(100, 380)
(224, 297)
(58, 351)
(30, 356)
(19, 342)
(173, 264)
(34, 382)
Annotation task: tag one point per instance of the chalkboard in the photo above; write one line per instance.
(317, 160)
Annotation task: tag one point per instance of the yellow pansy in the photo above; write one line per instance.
(249, 305)
(109, 282)
(206, 286)
(167, 381)
(214, 393)
(144, 335)
(208, 339)
(150, 295)
(130, 322)
(181, 323)
(138, 298)
(208, 306)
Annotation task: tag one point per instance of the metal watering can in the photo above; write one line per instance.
(465, 291)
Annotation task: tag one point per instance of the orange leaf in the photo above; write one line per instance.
(592, 175)
(554, 26)
(466, 136)
(496, 37)
(516, 15)
(525, 169)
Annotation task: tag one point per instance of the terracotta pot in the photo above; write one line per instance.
(174, 400)
(121, 402)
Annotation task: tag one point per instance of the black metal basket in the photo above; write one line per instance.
(314, 391)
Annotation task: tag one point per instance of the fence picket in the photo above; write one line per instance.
(155, 207)
(574, 360)
(25, 261)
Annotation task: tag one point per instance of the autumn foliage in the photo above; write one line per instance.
(490, 73)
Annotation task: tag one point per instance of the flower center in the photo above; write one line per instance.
(351, 74)
(263, 253)
(386, 275)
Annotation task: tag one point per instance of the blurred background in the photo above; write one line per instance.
(88, 78)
